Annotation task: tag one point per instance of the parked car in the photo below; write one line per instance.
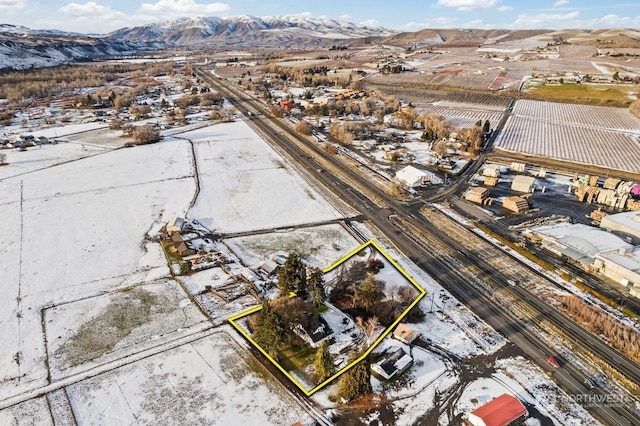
(553, 361)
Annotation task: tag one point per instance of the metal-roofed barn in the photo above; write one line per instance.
(502, 411)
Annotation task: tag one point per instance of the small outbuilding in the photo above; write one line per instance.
(269, 267)
(174, 225)
(405, 334)
(504, 410)
(491, 170)
(522, 183)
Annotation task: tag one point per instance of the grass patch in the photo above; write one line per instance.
(99, 335)
(613, 95)
(297, 358)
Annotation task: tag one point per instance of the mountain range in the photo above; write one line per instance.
(22, 47)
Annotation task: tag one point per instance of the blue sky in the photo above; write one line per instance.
(101, 16)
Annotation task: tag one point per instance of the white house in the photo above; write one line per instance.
(394, 364)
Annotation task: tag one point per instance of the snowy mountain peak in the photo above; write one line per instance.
(279, 31)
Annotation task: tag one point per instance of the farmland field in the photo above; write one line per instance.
(465, 117)
(600, 136)
(613, 95)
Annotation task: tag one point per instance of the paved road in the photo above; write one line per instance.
(446, 273)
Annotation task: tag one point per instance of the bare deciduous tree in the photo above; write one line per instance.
(146, 134)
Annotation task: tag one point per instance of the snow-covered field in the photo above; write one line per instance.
(43, 156)
(246, 185)
(76, 230)
(208, 382)
(320, 246)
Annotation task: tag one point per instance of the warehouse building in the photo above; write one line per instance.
(594, 249)
(413, 177)
(626, 224)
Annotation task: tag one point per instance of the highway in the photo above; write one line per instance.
(443, 258)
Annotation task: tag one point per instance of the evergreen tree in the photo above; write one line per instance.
(316, 288)
(355, 382)
(323, 362)
(270, 332)
(487, 126)
(293, 276)
(369, 292)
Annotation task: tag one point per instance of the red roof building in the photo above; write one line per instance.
(502, 411)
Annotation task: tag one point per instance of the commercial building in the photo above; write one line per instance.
(413, 177)
(626, 224)
(596, 250)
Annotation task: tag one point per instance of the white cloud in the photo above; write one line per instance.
(303, 15)
(476, 23)
(370, 23)
(445, 21)
(9, 5)
(560, 3)
(572, 20)
(415, 26)
(504, 8)
(177, 8)
(467, 5)
(547, 20)
(84, 9)
(345, 17)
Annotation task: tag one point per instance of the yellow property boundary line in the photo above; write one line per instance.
(422, 291)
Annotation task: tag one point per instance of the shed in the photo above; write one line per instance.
(491, 170)
(269, 267)
(502, 411)
(522, 183)
(175, 224)
(405, 334)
